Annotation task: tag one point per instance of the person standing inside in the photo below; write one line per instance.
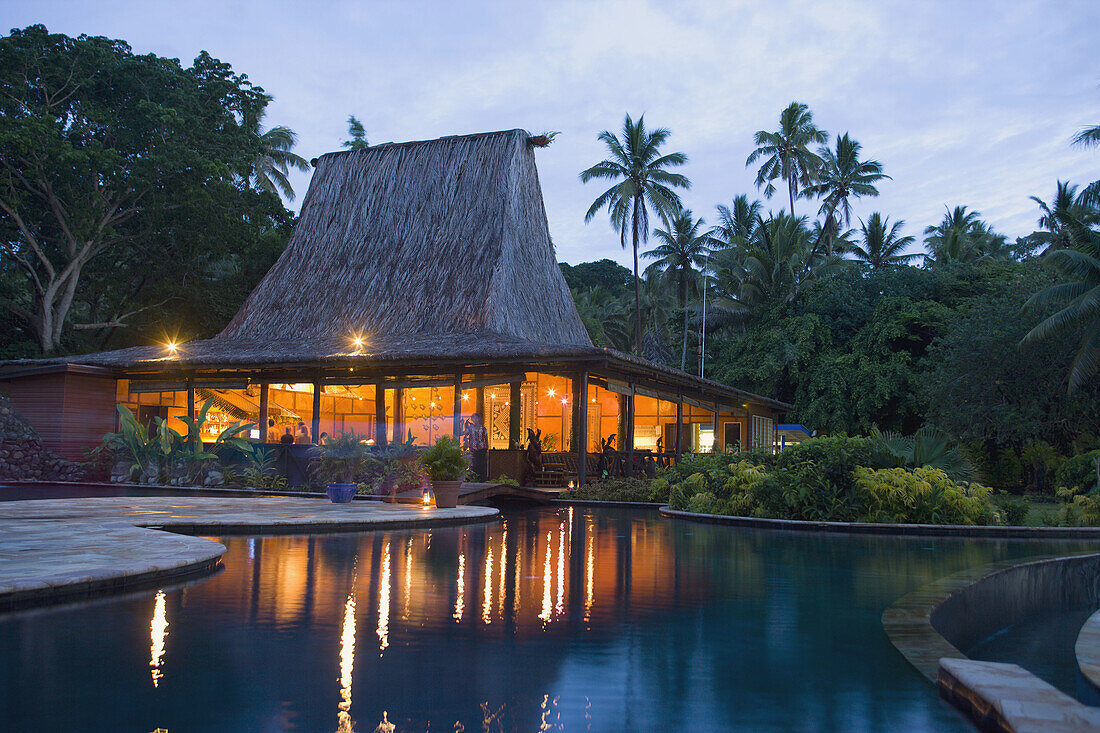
(477, 442)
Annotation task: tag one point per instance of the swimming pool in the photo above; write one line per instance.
(561, 618)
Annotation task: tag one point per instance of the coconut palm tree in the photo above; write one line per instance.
(736, 224)
(1087, 138)
(681, 251)
(961, 236)
(605, 317)
(883, 245)
(841, 177)
(357, 134)
(1068, 207)
(268, 170)
(786, 152)
(771, 269)
(642, 180)
(1078, 296)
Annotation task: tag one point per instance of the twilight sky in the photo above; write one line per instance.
(963, 102)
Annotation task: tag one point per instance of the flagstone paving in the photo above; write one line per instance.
(55, 549)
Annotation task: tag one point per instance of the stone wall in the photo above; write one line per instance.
(22, 455)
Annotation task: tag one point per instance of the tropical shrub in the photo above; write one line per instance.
(1039, 462)
(929, 446)
(1078, 472)
(444, 461)
(623, 489)
(341, 459)
(163, 455)
(924, 495)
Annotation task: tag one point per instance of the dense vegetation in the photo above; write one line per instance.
(994, 341)
(134, 192)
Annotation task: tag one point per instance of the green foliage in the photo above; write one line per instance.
(1014, 511)
(1079, 472)
(929, 446)
(922, 496)
(342, 458)
(164, 455)
(606, 274)
(117, 173)
(824, 479)
(623, 489)
(980, 384)
(445, 461)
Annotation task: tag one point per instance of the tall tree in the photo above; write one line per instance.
(883, 244)
(786, 152)
(642, 180)
(101, 150)
(961, 236)
(268, 169)
(682, 250)
(737, 223)
(841, 177)
(1077, 299)
(357, 135)
(1087, 138)
(1067, 209)
(772, 269)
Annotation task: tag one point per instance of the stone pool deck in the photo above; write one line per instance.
(60, 549)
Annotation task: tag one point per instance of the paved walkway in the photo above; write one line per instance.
(55, 549)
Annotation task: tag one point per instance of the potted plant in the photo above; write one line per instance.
(446, 466)
(339, 462)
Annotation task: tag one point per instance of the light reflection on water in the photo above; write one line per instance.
(158, 630)
(574, 619)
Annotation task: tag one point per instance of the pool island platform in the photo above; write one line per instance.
(55, 550)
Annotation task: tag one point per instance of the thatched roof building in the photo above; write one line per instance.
(409, 260)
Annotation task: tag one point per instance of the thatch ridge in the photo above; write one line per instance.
(442, 236)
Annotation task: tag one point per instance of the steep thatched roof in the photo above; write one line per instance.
(438, 237)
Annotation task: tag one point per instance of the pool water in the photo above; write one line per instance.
(557, 618)
(1043, 645)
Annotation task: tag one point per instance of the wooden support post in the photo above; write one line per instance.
(379, 415)
(398, 415)
(628, 432)
(457, 410)
(316, 432)
(718, 446)
(580, 425)
(262, 417)
(679, 425)
(514, 404)
(190, 399)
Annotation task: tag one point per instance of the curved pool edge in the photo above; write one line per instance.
(966, 531)
(1087, 650)
(56, 550)
(929, 625)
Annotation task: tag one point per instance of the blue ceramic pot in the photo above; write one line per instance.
(340, 493)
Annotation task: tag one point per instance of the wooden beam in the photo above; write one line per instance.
(580, 424)
(314, 436)
(262, 417)
(191, 399)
